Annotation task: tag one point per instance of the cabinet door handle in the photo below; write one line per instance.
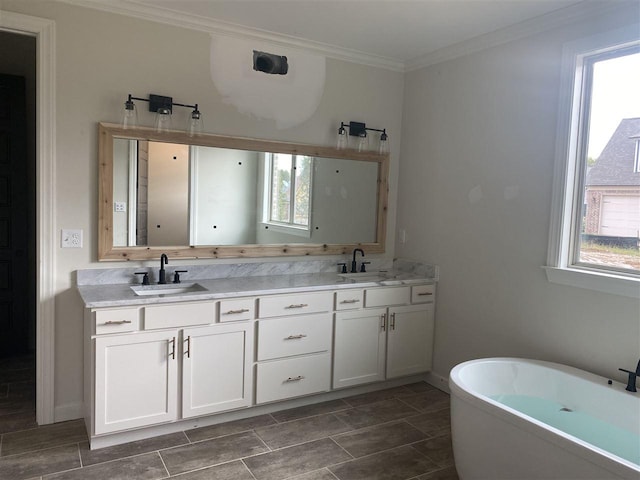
(116, 322)
(350, 301)
(422, 294)
(393, 321)
(384, 322)
(188, 352)
(172, 354)
(298, 305)
(235, 312)
(294, 379)
(295, 337)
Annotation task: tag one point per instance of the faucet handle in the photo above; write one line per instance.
(176, 275)
(145, 279)
(363, 268)
(344, 267)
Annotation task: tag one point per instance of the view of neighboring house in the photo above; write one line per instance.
(612, 188)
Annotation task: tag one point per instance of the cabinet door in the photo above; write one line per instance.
(217, 373)
(410, 340)
(359, 347)
(136, 380)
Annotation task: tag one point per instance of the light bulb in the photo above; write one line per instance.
(363, 142)
(343, 138)
(194, 123)
(130, 114)
(383, 146)
(163, 120)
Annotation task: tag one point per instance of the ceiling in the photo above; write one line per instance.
(398, 34)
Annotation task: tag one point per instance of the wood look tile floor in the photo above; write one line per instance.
(401, 433)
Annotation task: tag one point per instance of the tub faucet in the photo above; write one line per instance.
(354, 266)
(631, 380)
(162, 279)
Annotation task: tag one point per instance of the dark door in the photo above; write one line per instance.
(14, 217)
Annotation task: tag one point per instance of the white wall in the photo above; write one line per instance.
(479, 135)
(100, 58)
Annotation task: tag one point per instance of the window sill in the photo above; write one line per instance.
(298, 232)
(599, 281)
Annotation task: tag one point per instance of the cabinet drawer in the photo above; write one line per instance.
(236, 309)
(178, 315)
(283, 337)
(423, 293)
(349, 299)
(116, 320)
(382, 297)
(293, 377)
(280, 305)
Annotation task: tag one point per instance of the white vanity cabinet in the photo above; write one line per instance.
(161, 367)
(294, 346)
(216, 368)
(136, 379)
(391, 337)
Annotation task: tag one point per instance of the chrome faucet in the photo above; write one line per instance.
(162, 276)
(631, 380)
(354, 266)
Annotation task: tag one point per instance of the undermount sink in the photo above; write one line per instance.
(168, 289)
(383, 278)
(365, 276)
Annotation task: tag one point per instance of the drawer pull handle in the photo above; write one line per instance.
(116, 322)
(172, 354)
(298, 305)
(295, 337)
(235, 312)
(384, 322)
(393, 321)
(188, 352)
(294, 379)
(350, 301)
(422, 294)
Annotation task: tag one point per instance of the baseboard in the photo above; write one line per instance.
(438, 381)
(69, 411)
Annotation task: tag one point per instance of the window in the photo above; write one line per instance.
(595, 231)
(289, 191)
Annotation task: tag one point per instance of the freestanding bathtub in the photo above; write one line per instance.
(522, 419)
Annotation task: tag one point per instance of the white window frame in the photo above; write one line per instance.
(569, 171)
(284, 227)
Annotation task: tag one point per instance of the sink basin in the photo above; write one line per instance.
(364, 276)
(383, 278)
(169, 289)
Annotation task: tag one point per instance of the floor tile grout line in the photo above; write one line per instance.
(163, 464)
(247, 468)
(385, 451)
(332, 412)
(80, 455)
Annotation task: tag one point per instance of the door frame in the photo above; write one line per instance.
(44, 32)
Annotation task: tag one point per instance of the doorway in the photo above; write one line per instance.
(18, 273)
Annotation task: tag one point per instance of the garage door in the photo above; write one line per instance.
(620, 216)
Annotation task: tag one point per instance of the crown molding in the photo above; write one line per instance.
(537, 25)
(549, 21)
(216, 27)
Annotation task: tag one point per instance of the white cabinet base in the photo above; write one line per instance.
(108, 440)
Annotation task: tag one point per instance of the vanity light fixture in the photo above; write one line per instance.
(359, 129)
(163, 108)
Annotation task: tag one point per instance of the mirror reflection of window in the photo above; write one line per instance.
(290, 190)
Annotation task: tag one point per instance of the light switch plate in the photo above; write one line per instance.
(119, 206)
(71, 238)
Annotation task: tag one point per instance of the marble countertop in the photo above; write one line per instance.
(123, 295)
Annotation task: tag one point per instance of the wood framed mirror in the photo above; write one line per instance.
(212, 196)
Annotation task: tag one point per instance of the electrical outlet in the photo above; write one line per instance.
(403, 236)
(119, 206)
(71, 238)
